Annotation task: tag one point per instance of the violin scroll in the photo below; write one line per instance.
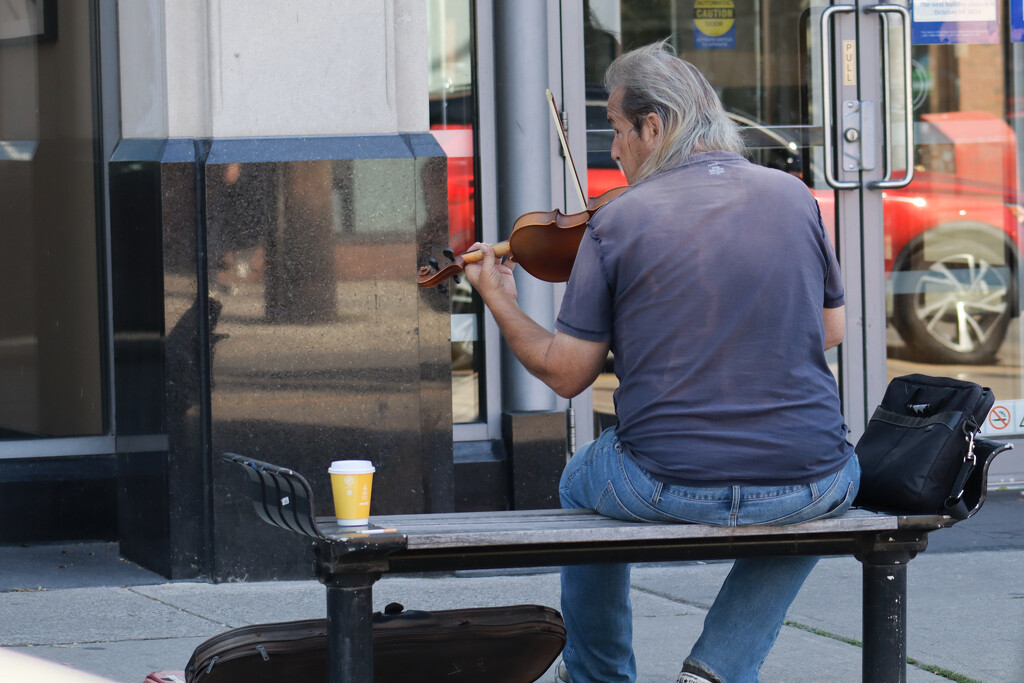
(433, 274)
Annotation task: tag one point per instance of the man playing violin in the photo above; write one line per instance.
(714, 283)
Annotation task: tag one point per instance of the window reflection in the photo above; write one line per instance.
(452, 121)
(50, 359)
(952, 237)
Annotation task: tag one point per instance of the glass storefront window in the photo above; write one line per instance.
(953, 236)
(51, 367)
(452, 121)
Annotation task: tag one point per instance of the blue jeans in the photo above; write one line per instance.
(746, 617)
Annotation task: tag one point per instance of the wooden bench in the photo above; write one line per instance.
(349, 561)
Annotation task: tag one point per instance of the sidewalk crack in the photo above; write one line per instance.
(181, 609)
(930, 668)
(671, 598)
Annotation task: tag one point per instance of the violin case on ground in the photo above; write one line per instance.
(514, 644)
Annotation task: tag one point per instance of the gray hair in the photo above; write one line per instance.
(654, 80)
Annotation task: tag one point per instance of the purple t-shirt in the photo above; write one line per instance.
(709, 281)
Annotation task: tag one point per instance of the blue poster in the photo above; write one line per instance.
(714, 25)
(955, 21)
(1017, 21)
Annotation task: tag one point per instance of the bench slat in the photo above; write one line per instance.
(513, 528)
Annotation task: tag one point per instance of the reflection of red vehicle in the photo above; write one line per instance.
(951, 255)
(951, 236)
(952, 239)
(457, 143)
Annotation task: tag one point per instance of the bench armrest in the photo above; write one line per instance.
(976, 487)
(281, 496)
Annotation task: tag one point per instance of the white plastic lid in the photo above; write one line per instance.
(351, 467)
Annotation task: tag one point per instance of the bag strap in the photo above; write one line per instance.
(955, 506)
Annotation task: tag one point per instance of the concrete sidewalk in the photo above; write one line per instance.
(81, 605)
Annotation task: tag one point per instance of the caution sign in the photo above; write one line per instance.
(714, 25)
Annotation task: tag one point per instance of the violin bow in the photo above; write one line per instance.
(433, 274)
(565, 147)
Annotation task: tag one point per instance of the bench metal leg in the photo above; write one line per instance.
(884, 565)
(349, 612)
(350, 632)
(885, 622)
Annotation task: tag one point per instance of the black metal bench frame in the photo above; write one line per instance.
(349, 561)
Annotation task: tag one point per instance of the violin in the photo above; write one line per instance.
(544, 243)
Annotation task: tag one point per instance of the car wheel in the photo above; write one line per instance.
(951, 302)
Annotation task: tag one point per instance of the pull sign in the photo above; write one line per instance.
(849, 62)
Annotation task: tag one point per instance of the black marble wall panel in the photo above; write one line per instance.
(482, 476)
(433, 327)
(162, 500)
(324, 348)
(58, 499)
(536, 442)
(265, 304)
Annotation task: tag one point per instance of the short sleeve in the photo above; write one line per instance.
(835, 295)
(586, 311)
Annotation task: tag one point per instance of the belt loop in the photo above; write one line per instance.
(734, 511)
(656, 496)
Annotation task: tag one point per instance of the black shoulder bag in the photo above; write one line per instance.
(918, 450)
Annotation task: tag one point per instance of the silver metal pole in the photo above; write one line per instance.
(524, 167)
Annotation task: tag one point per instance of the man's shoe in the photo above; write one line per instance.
(562, 675)
(687, 677)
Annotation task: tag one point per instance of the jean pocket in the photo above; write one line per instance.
(845, 504)
(610, 505)
(827, 504)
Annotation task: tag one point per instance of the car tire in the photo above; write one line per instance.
(953, 302)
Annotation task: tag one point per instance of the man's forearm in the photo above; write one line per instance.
(529, 341)
(566, 364)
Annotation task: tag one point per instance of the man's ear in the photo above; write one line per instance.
(652, 127)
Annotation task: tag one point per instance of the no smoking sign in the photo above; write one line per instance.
(1006, 417)
(1000, 418)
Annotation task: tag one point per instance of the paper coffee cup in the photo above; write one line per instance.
(351, 482)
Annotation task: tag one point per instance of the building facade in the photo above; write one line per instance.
(214, 212)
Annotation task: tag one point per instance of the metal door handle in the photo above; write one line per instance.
(826, 97)
(885, 183)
